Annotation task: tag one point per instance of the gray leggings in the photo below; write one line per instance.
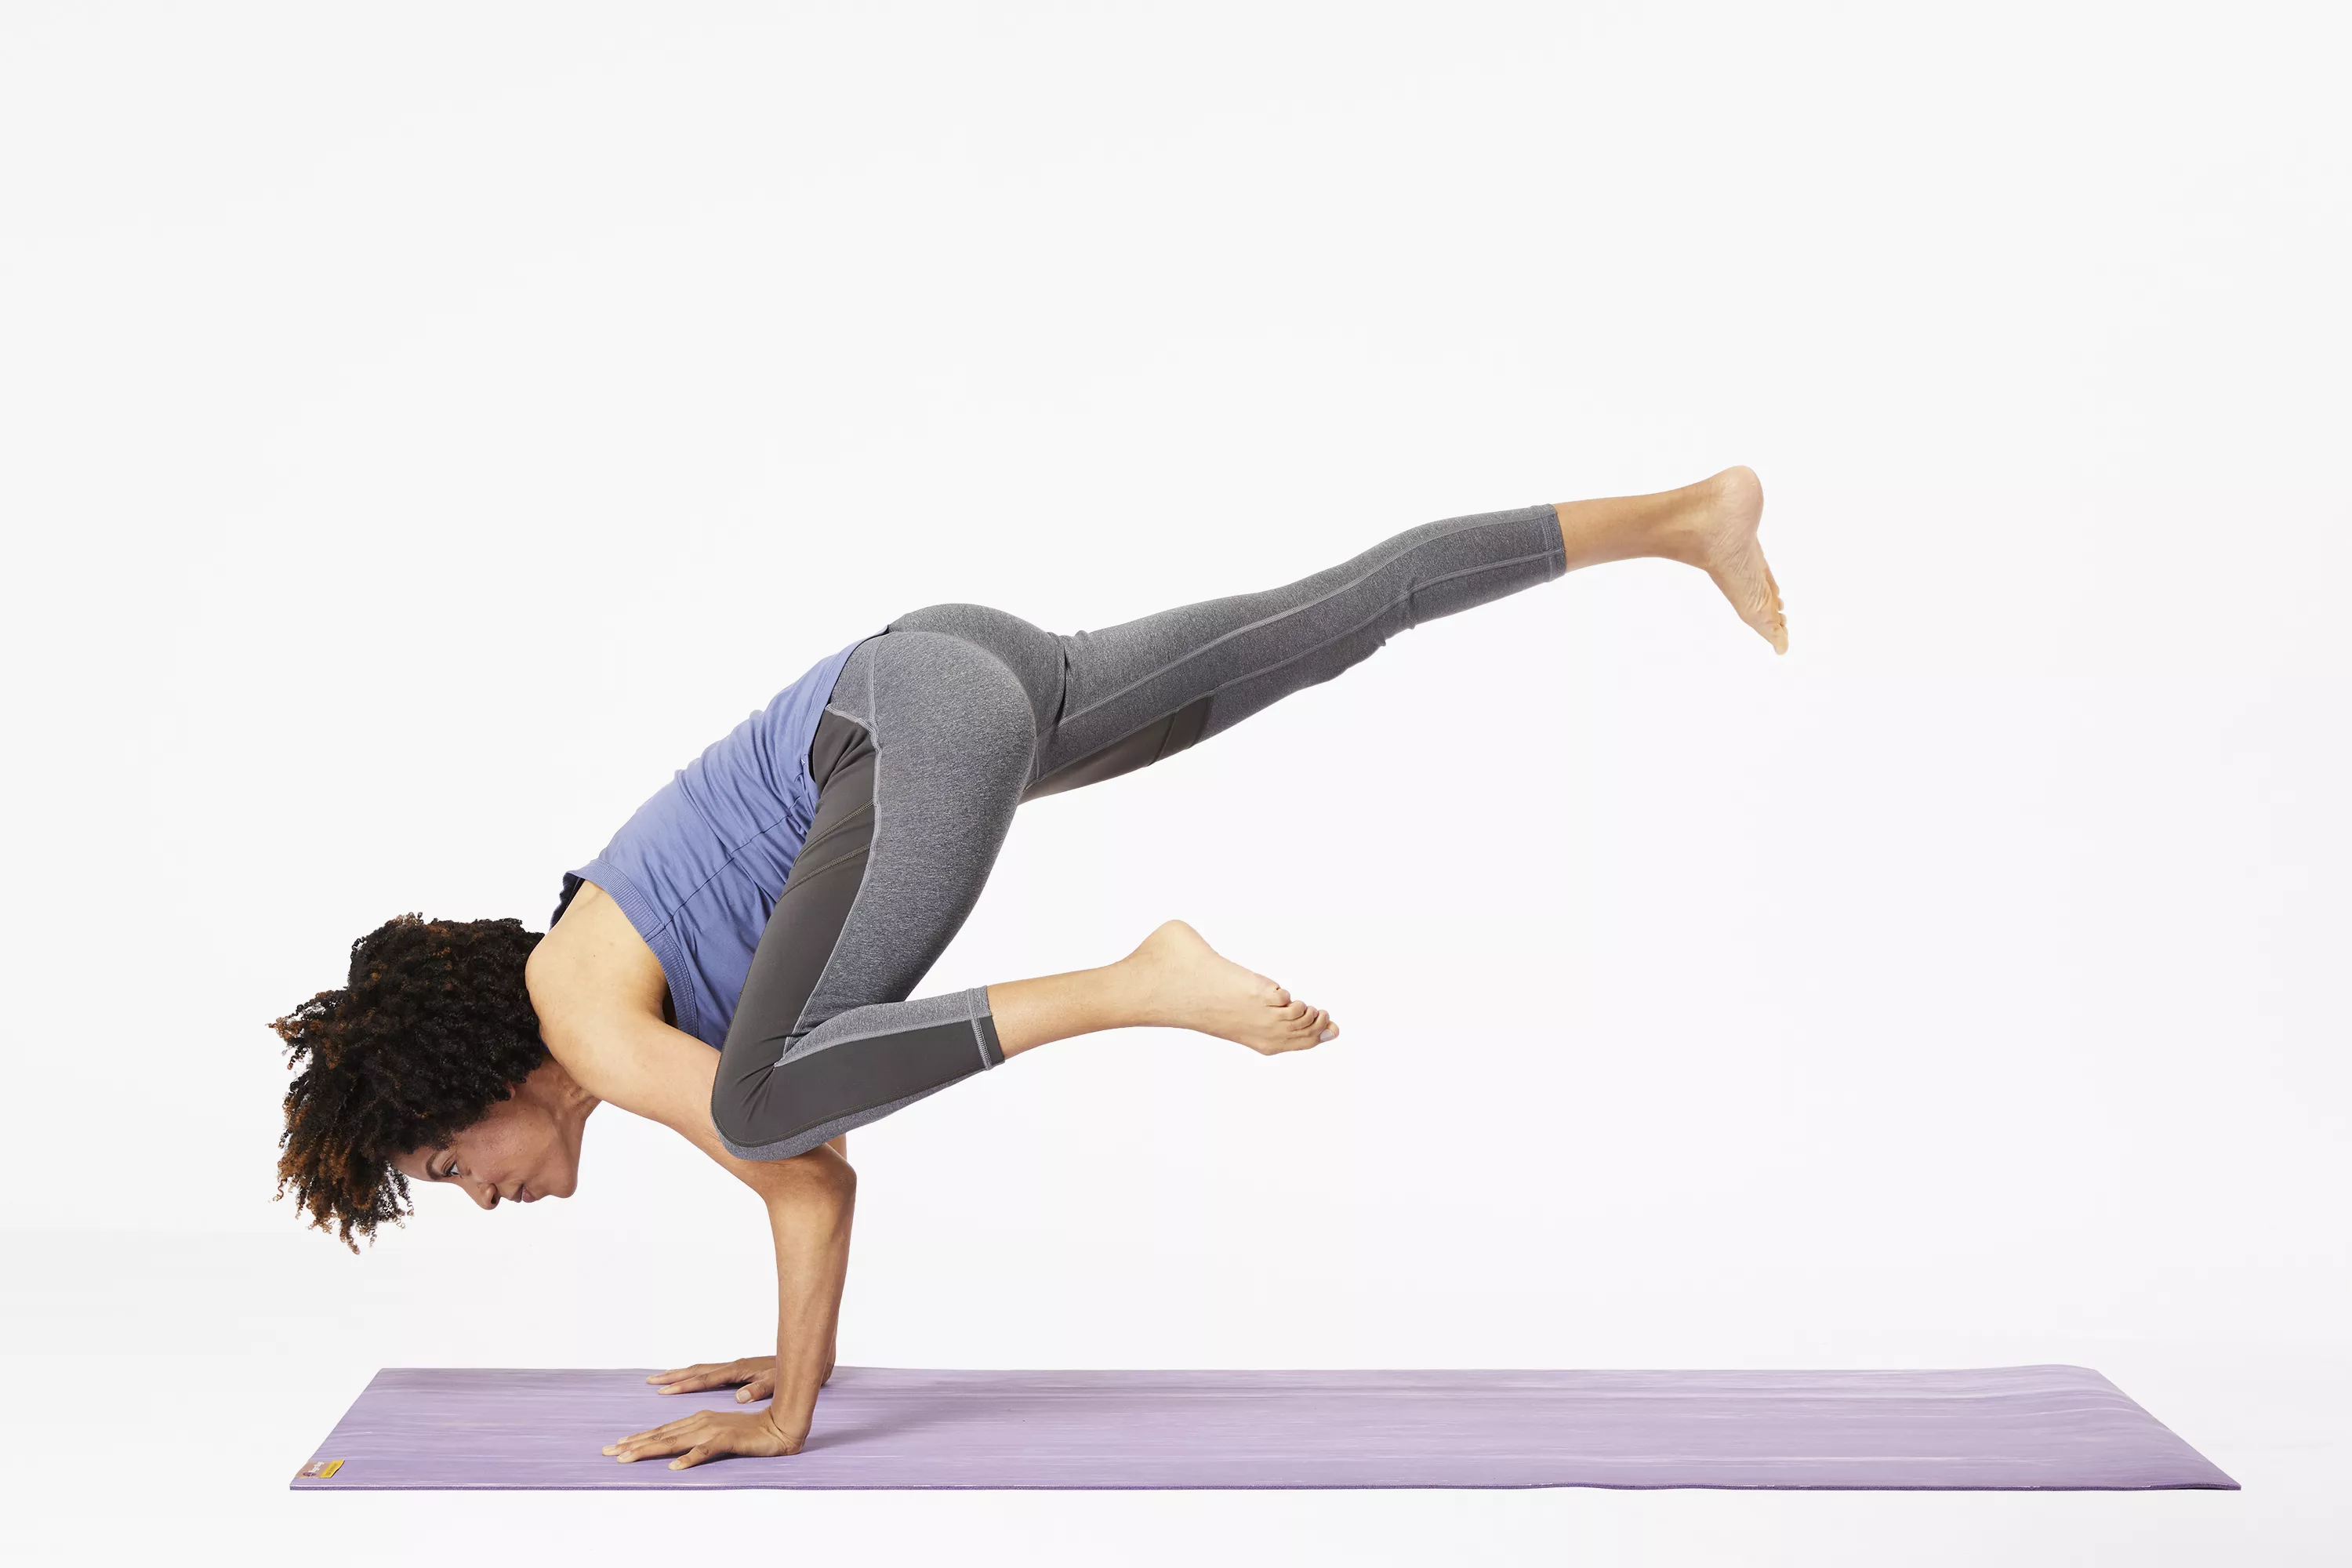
(941, 725)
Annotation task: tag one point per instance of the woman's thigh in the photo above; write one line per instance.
(1108, 702)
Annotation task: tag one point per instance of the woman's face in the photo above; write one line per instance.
(525, 1148)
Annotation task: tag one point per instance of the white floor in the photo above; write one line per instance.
(164, 1389)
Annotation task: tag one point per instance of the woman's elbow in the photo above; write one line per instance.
(819, 1178)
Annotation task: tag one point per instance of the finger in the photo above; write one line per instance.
(691, 1457)
(636, 1447)
(697, 1383)
(629, 1450)
(649, 1446)
(674, 1373)
(762, 1387)
(656, 1434)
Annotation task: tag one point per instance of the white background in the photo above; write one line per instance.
(422, 430)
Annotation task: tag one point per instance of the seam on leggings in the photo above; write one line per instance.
(1368, 620)
(873, 840)
(1037, 768)
(973, 1017)
(1298, 609)
(1062, 704)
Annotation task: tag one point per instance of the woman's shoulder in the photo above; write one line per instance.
(592, 964)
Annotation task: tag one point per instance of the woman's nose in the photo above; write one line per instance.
(483, 1193)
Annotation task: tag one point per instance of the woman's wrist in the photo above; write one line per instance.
(791, 1426)
(797, 1388)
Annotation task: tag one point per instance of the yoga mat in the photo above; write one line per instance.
(2029, 1427)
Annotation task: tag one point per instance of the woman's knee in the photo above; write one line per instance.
(734, 1107)
(762, 1128)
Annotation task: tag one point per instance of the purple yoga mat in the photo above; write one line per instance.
(2028, 1427)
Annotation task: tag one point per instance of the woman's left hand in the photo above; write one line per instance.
(756, 1374)
(711, 1435)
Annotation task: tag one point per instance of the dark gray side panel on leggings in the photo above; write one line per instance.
(1162, 738)
(824, 881)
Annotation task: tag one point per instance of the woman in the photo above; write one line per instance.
(779, 899)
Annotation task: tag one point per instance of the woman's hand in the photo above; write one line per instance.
(711, 1435)
(757, 1374)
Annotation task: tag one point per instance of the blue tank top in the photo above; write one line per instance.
(701, 864)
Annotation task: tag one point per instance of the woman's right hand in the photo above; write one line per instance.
(756, 1374)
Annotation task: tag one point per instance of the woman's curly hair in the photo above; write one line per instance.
(433, 1028)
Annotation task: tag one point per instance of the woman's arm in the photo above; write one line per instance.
(808, 1213)
(810, 1221)
(598, 989)
(599, 1012)
(631, 1058)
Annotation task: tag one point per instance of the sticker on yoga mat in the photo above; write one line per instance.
(318, 1469)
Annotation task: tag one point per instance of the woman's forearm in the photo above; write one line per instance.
(810, 1220)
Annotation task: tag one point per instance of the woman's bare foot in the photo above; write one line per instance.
(1711, 525)
(1181, 982)
(1731, 506)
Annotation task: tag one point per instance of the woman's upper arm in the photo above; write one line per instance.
(616, 1044)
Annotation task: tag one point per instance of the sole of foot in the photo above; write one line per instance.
(1185, 983)
(1731, 508)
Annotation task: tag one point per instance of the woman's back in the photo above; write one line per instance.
(699, 865)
